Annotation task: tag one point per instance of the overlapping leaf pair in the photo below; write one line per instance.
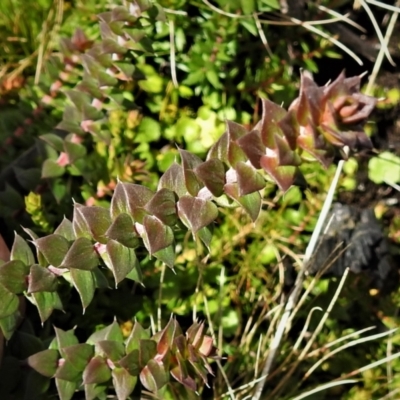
(106, 356)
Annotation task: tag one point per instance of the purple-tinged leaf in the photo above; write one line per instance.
(121, 260)
(79, 355)
(44, 362)
(41, 279)
(90, 86)
(212, 174)
(324, 156)
(200, 370)
(110, 349)
(55, 141)
(253, 147)
(46, 302)
(71, 121)
(163, 206)
(196, 213)
(189, 163)
(67, 372)
(310, 100)
(154, 376)
(9, 302)
(65, 389)
(290, 128)
(207, 348)
(283, 176)
(53, 247)
(13, 276)
(284, 153)
(268, 126)
(248, 179)
(65, 339)
(251, 202)
(173, 179)
(81, 255)
(195, 334)
(123, 231)
(235, 153)
(131, 362)
(97, 371)
(156, 236)
(167, 336)
(130, 199)
(147, 351)
(124, 383)
(110, 332)
(84, 283)
(137, 333)
(181, 374)
(234, 130)
(79, 224)
(65, 229)
(167, 256)
(97, 219)
(50, 169)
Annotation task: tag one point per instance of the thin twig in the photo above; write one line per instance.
(172, 52)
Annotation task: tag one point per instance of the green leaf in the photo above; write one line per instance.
(248, 6)
(131, 362)
(13, 276)
(124, 383)
(121, 260)
(110, 349)
(65, 339)
(137, 333)
(50, 169)
(65, 389)
(189, 163)
(74, 151)
(385, 168)
(46, 302)
(196, 213)
(53, 247)
(251, 202)
(9, 302)
(79, 355)
(65, 229)
(166, 255)
(9, 324)
(84, 283)
(81, 255)
(56, 142)
(154, 376)
(110, 332)
(28, 178)
(97, 371)
(21, 251)
(67, 372)
(44, 362)
(147, 351)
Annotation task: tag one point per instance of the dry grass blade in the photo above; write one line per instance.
(324, 387)
(378, 31)
(292, 300)
(342, 17)
(395, 9)
(345, 346)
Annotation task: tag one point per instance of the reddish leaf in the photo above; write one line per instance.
(212, 174)
(110, 349)
(123, 383)
(163, 206)
(196, 213)
(44, 362)
(268, 126)
(79, 355)
(66, 230)
(97, 371)
(81, 255)
(283, 176)
(131, 199)
(248, 179)
(253, 147)
(123, 231)
(167, 336)
(53, 247)
(189, 163)
(156, 235)
(220, 149)
(40, 279)
(180, 373)
(154, 376)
